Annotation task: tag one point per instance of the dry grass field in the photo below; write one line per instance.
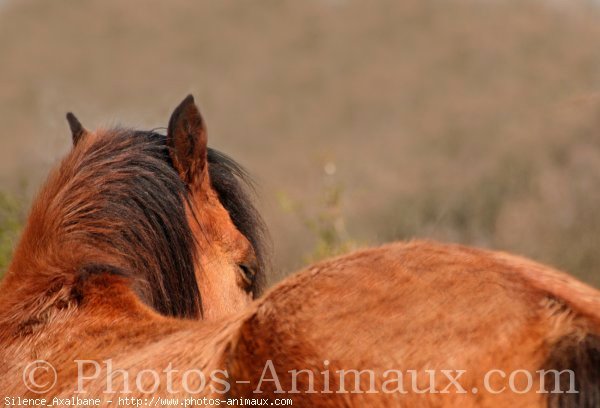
(362, 122)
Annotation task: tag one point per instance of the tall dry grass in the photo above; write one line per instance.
(468, 121)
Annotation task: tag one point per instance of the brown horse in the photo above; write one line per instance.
(408, 324)
(165, 211)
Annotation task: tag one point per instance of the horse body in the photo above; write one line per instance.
(425, 306)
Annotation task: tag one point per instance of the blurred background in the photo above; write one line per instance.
(362, 122)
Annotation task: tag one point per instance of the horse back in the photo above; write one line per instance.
(422, 307)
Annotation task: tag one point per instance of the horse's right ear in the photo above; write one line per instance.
(187, 141)
(77, 129)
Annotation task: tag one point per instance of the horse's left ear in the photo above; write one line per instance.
(187, 140)
(77, 129)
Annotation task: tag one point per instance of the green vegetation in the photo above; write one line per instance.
(325, 221)
(10, 226)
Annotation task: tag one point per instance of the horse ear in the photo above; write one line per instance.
(187, 140)
(77, 129)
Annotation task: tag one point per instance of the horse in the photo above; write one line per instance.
(167, 211)
(406, 324)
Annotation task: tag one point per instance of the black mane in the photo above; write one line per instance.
(139, 215)
(134, 211)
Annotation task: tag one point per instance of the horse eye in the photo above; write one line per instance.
(248, 274)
